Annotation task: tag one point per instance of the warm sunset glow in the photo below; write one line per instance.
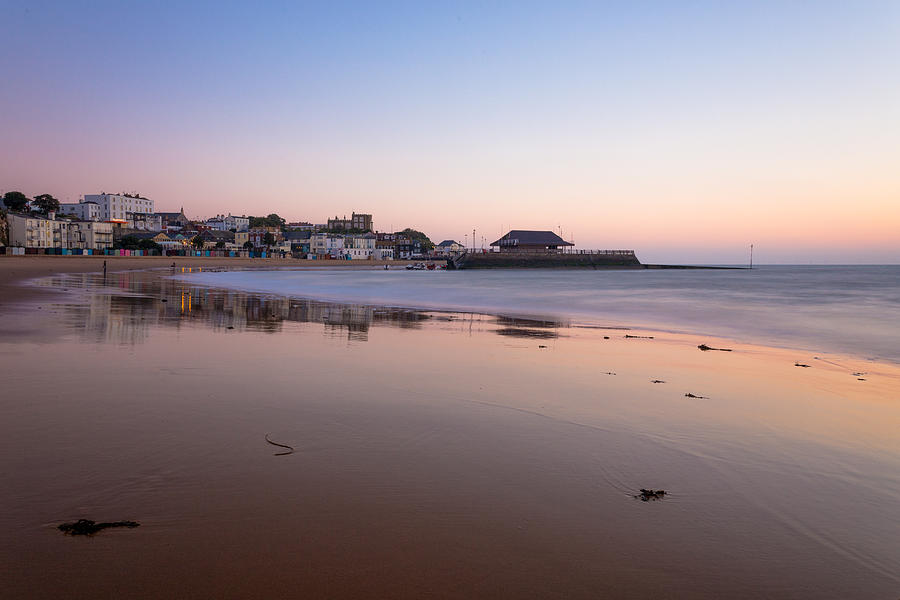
(685, 132)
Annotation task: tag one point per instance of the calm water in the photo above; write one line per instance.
(844, 309)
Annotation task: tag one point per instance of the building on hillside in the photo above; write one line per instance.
(93, 235)
(174, 221)
(358, 221)
(407, 248)
(258, 235)
(400, 245)
(32, 231)
(212, 237)
(300, 226)
(326, 244)
(144, 221)
(241, 238)
(84, 211)
(523, 240)
(229, 222)
(180, 238)
(359, 247)
(113, 207)
(448, 247)
(299, 240)
(216, 223)
(241, 223)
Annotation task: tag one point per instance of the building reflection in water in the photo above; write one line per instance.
(123, 307)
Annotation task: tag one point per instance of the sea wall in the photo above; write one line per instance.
(500, 260)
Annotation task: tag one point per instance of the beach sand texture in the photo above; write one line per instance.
(436, 454)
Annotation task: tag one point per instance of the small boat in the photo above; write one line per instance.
(431, 267)
(416, 267)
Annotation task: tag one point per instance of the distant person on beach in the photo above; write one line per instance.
(104, 268)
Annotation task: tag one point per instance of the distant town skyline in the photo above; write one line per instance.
(684, 132)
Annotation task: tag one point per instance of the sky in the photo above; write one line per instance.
(683, 130)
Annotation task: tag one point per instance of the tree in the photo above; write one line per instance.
(248, 245)
(148, 244)
(269, 239)
(272, 220)
(132, 242)
(46, 203)
(427, 244)
(220, 244)
(197, 242)
(15, 200)
(128, 242)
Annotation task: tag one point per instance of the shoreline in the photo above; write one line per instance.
(16, 270)
(15, 289)
(567, 319)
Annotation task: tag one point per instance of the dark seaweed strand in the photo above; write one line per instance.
(291, 448)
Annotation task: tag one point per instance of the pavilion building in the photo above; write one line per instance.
(539, 242)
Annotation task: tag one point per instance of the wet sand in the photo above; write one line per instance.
(435, 454)
(16, 269)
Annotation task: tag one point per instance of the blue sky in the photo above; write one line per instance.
(683, 130)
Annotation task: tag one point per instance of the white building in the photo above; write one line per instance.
(31, 231)
(114, 207)
(326, 244)
(229, 222)
(90, 234)
(85, 211)
(143, 221)
(448, 247)
(359, 247)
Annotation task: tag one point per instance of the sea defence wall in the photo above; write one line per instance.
(597, 259)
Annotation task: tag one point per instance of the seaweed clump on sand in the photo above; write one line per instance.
(88, 527)
(648, 495)
(706, 348)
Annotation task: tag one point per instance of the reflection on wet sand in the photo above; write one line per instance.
(452, 455)
(123, 307)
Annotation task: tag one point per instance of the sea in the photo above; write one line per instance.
(852, 309)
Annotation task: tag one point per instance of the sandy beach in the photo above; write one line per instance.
(433, 454)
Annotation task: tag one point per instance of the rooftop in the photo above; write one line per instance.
(526, 237)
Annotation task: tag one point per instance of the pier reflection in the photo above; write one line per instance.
(123, 307)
